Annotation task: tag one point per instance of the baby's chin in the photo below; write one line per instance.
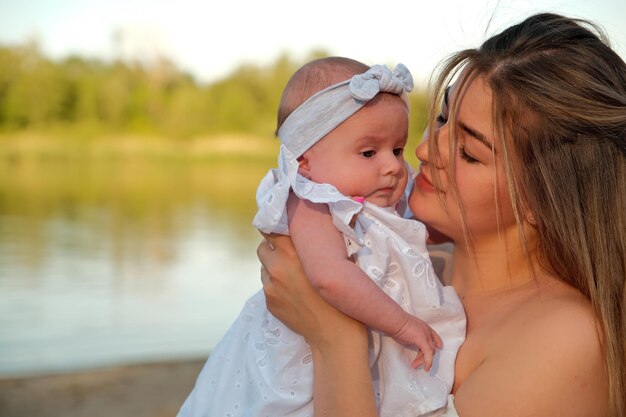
(382, 201)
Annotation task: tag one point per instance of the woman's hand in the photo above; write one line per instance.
(342, 383)
(291, 298)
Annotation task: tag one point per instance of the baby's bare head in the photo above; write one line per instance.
(313, 77)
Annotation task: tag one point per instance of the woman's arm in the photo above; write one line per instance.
(342, 379)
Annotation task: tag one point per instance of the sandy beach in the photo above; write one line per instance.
(146, 390)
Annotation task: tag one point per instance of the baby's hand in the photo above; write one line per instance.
(417, 333)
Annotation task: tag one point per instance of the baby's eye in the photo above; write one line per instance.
(368, 154)
(398, 151)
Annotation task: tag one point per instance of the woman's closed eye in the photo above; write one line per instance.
(465, 156)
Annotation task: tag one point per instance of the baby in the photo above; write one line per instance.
(340, 182)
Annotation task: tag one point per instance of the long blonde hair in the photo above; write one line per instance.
(559, 106)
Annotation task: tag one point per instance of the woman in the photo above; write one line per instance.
(524, 170)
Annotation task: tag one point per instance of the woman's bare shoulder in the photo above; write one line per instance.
(546, 361)
(561, 311)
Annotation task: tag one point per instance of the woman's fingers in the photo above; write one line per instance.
(277, 254)
(280, 242)
(292, 299)
(264, 251)
(265, 276)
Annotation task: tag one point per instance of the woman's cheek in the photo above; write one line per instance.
(427, 207)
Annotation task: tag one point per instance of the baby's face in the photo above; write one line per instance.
(363, 156)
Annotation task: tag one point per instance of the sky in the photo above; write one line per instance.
(211, 38)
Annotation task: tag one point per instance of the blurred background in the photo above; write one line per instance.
(133, 135)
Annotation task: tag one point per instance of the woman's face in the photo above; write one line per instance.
(479, 173)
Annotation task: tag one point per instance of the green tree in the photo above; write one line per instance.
(156, 98)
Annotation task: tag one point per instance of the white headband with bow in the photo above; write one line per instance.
(305, 126)
(327, 109)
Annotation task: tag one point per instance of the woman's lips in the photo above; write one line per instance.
(423, 183)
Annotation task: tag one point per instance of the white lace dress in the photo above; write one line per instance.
(261, 368)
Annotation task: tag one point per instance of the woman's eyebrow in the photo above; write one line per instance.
(472, 132)
(476, 135)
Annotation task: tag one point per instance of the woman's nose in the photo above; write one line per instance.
(422, 151)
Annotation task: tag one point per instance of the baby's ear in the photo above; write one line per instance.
(304, 169)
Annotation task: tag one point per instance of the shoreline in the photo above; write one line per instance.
(138, 390)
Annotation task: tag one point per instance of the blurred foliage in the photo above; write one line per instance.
(89, 97)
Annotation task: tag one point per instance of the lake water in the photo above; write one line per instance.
(116, 262)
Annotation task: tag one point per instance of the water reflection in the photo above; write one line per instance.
(105, 262)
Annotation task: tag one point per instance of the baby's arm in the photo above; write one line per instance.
(343, 284)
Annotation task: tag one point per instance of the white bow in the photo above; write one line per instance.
(379, 79)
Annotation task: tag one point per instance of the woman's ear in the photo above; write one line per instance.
(531, 219)
(303, 168)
